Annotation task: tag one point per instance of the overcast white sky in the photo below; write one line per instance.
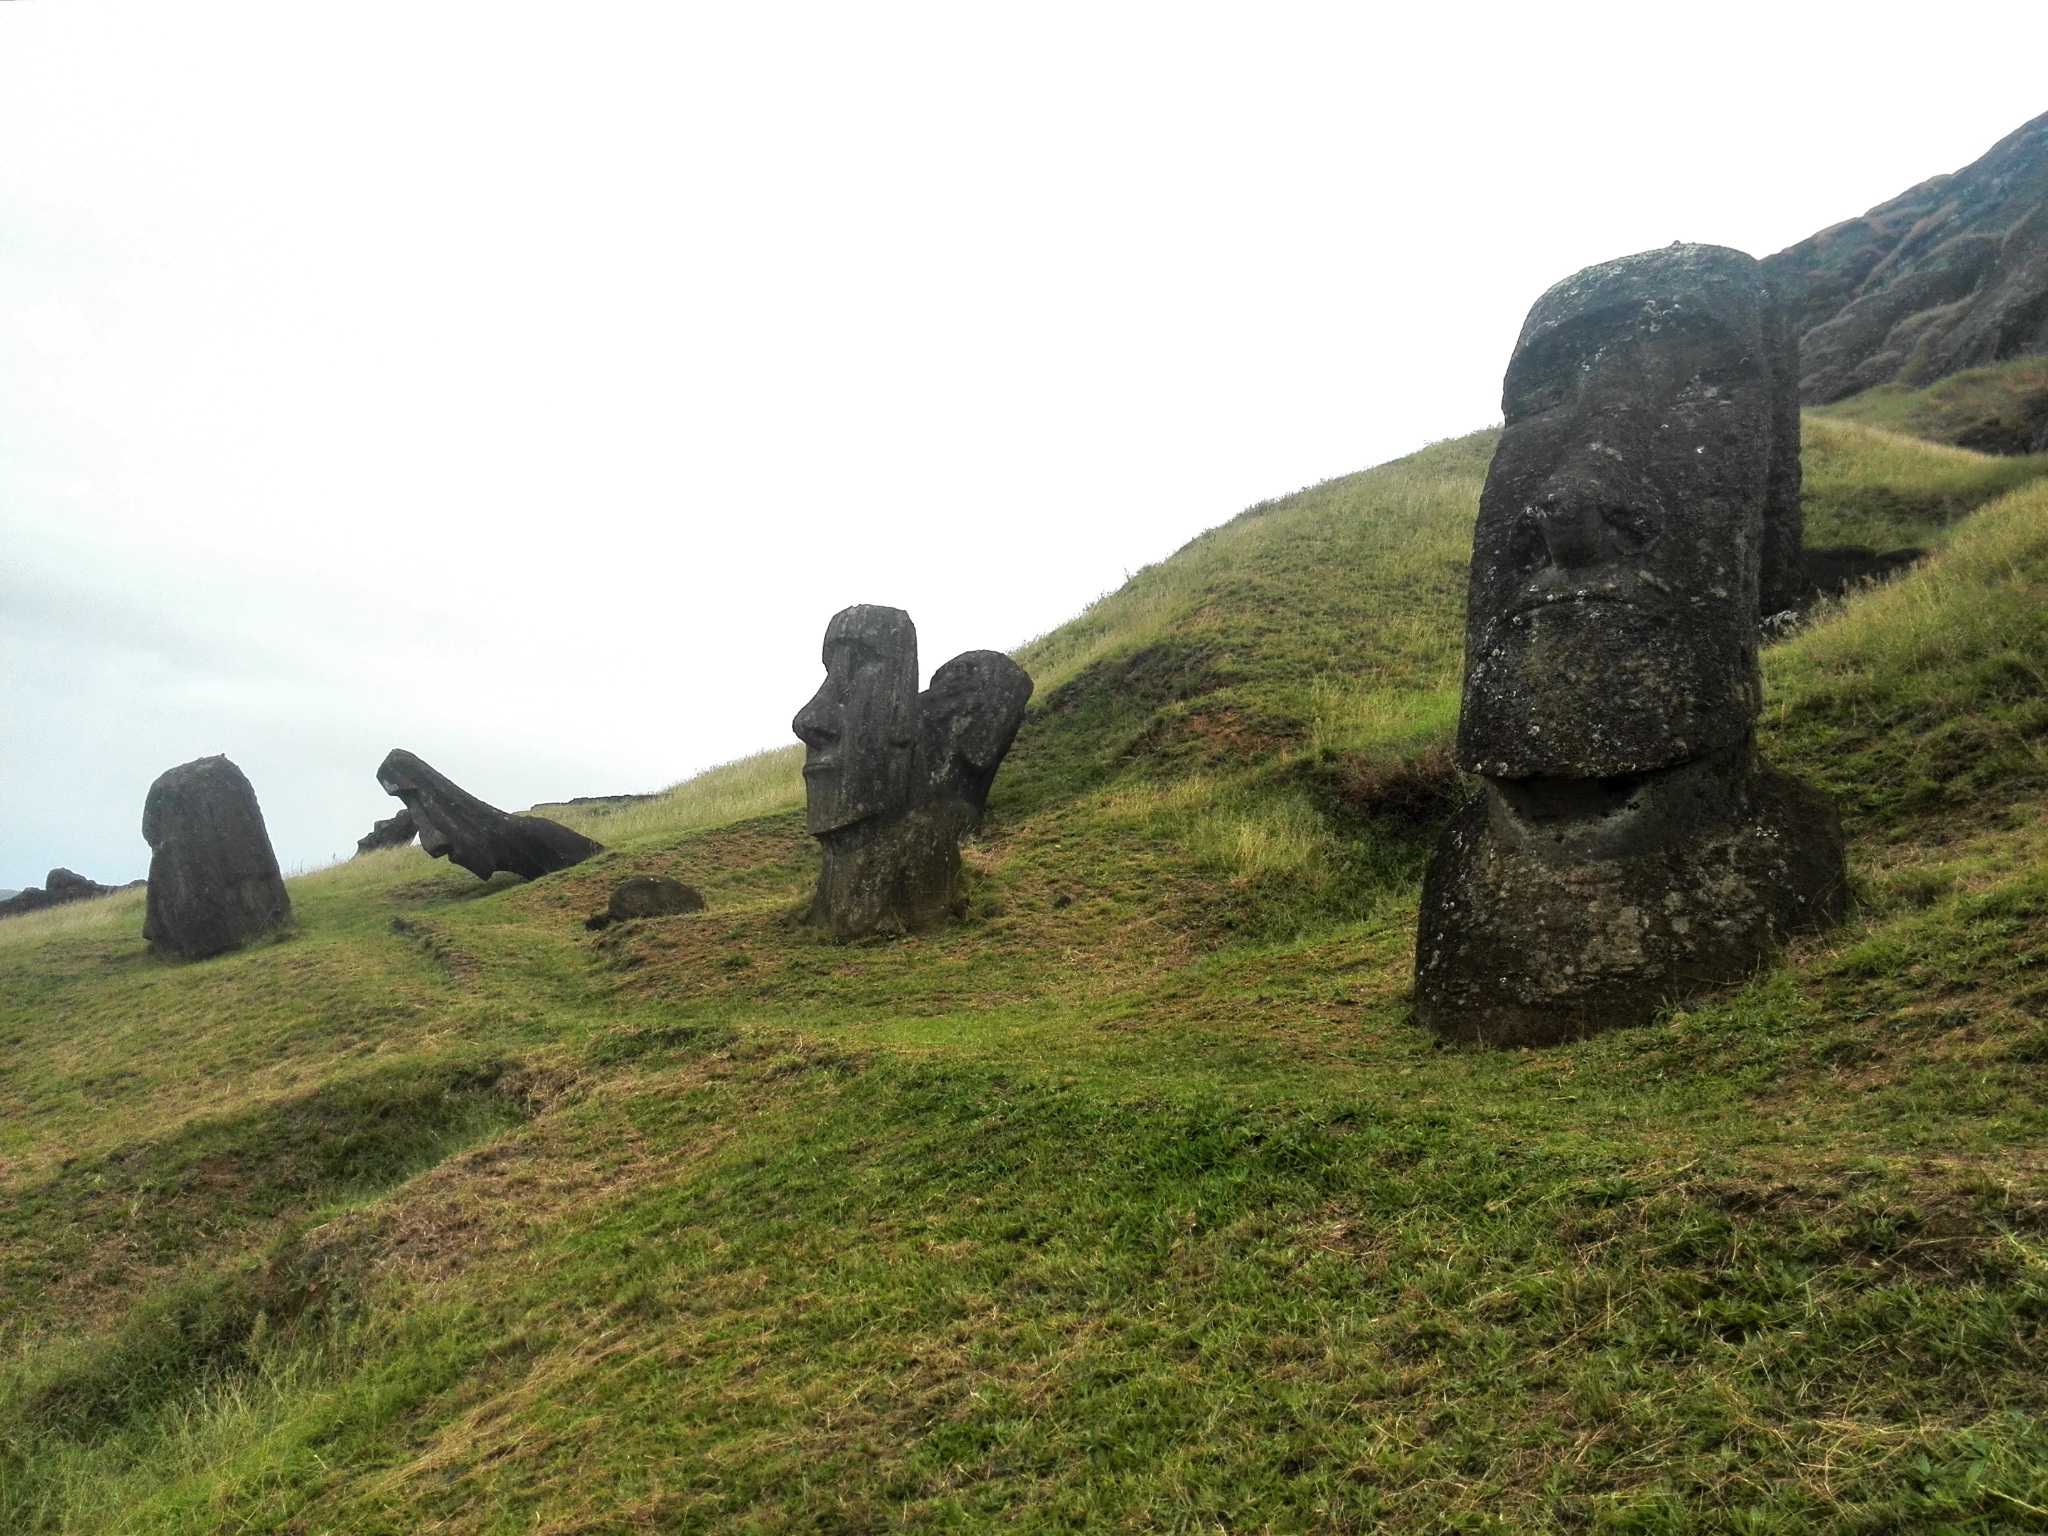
(527, 384)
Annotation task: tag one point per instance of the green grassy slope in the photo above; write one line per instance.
(1999, 409)
(1135, 1202)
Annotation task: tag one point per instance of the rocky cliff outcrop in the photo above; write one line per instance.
(1950, 275)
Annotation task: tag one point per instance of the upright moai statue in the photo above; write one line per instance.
(454, 825)
(1629, 847)
(894, 779)
(214, 883)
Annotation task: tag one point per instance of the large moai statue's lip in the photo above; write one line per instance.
(1540, 601)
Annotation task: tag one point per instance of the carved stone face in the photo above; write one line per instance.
(861, 725)
(970, 715)
(1615, 566)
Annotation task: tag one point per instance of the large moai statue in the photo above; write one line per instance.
(214, 883)
(1629, 847)
(895, 779)
(454, 825)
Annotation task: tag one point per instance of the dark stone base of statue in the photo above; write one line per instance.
(1558, 909)
(881, 878)
(454, 825)
(214, 883)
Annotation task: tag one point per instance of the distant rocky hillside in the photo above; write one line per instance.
(1950, 275)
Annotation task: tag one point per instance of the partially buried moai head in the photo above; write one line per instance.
(1638, 489)
(860, 728)
(970, 715)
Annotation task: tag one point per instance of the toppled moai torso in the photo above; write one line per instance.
(454, 825)
(894, 779)
(214, 883)
(1641, 512)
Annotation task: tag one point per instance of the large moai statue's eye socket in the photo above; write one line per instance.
(1538, 396)
(1528, 550)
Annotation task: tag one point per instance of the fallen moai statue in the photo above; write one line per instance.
(894, 779)
(1641, 513)
(392, 832)
(214, 883)
(647, 896)
(60, 887)
(454, 825)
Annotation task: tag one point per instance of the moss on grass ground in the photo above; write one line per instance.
(1134, 1202)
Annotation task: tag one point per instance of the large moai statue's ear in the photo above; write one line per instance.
(969, 716)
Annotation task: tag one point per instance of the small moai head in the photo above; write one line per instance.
(860, 728)
(969, 716)
(1650, 446)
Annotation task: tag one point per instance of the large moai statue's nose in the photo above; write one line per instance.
(1573, 532)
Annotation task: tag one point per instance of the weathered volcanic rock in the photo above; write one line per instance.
(1628, 847)
(647, 896)
(1952, 274)
(392, 832)
(214, 883)
(861, 726)
(893, 778)
(59, 887)
(1558, 909)
(1617, 560)
(454, 825)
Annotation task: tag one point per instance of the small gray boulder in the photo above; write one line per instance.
(647, 896)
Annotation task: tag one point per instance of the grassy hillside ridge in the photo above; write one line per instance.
(758, 784)
(1134, 1202)
(2000, 409)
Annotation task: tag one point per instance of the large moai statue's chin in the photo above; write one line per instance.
(1597, 687)
(1557, 909)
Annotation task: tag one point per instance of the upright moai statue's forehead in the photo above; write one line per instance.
(1645, 482)
(860, 728)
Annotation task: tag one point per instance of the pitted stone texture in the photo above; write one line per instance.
(392, 832)
(214, 883)
(894, 778)
(456, 826)
(1628, 848)
(1648, 460)
(1547, 921)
